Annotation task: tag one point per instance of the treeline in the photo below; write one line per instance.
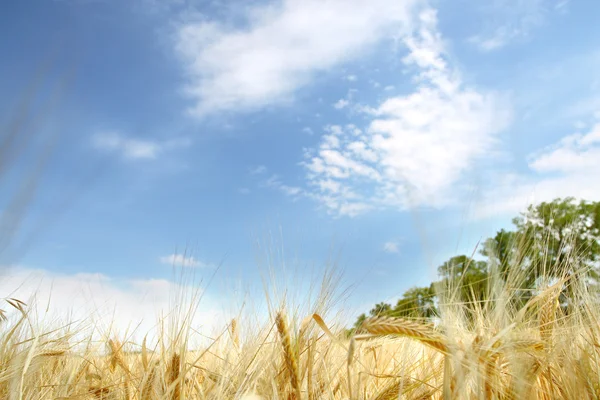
(550, 241)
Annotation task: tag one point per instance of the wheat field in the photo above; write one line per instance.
(495, 349)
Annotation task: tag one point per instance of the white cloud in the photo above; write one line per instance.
(329, 185)
(391, 247)
(340, 104)
(353, 209)
(574, 153)
(510, 20)
(97, 300)
(258, 170)
(417, 146)
(290, 190)
(568, 168)
(275, 182)
(345, 102)
(129, 148)
(279, 48)
(181, 260)
(308, 130)
(498, 40)
(135, 149)
(351, 78)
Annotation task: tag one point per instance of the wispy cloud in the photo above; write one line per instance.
(510, 20)
(308, 130)
(574, 153)
(275, 182)
(391, 247)
(417, 147)
(280, 48)
(340, 104)
(570, 167)
(258, 170)
(347, 101)
(135, 149)
(181, 260)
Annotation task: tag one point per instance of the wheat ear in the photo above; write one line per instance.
(116, 356)
(289, 355)
(398, 326)
(173, 374)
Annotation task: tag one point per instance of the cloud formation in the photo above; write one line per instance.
(569, 167)
(512, 20)
(134, 149)
(280, 48)
(181, 260)
(391, 247)
(417, 147)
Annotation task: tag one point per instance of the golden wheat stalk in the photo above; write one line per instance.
(289, 355)
(79, 373)
(126, 393)
(547, 316)
(145, 354)
(147, 392)
(490, 377)
(116, 356)
(51, 353)
(390, 392)
(235, 335)
(449, 380)
(402, 327)
(100, 392)
(310, 357)
(589, 373)
(351, 350)
(173, 374)
(393, 390)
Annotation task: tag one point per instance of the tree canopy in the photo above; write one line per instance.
(549, 240)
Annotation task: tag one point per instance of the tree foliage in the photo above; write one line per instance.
(380, 309)
(417, 302)
(467, 277)
(550, 239)
(561, 234)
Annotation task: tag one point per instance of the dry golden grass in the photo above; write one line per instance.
(499, 351)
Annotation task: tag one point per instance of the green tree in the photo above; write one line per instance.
(466, 276)
(380, 309)
(501, 250)
(507, 254)
(561, 236)
(417, 302)
(551, 239)
(359, 321)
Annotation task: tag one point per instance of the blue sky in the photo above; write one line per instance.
(386, 136)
